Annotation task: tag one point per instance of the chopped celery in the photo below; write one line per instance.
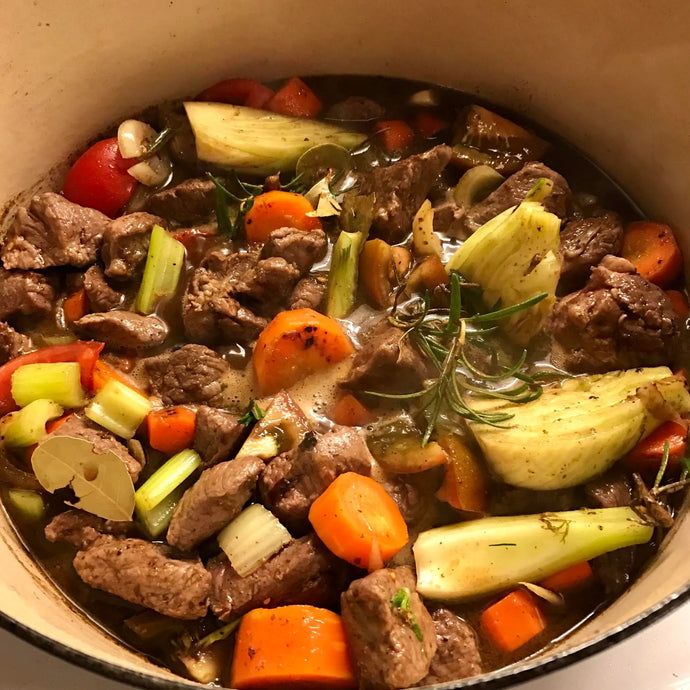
(118, 408)
(541, 190)
(162, 270)
(577, 428)
(258, 142)
(157, 519)
(166, 479)
(476, 184)
(56, 381)
(476, 557)
(252, 538)
(342, 278)
(28, 425)
(29, 504)
(514, 257)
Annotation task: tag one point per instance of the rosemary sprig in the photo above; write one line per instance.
(160, 142)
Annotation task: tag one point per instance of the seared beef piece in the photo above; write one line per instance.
(187, 203)
(269, 281)
(384, 648)
(182, 146)
(103, 442)
(584, 243)
(619, 320)
(272, 183)
(304, 572)
(308, 294)
(100, 295)
(299, 247)
(356, 108)
(25, 293)
(191, 374)
(53, 232)
(610, 490)
(80, 529)
(11, 475)
(449, 219)
(457, 652)
(123, 330)
(514, 190)
(215, 499)
(13, 344)
(217, 436)
(388, 362)
(139, 572)
(126, 244)
(509, 500)
(400, 190)
(293, 480)
(406, 493)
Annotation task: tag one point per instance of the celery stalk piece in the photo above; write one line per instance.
(166, 479)
(118, 408)
(252, 538)
(162, 270)
(476, 184)
(577, 428)
(29, 504)
(28, 425)
(56, 381)
(513, 257)
(342, 278)
(157, 519)
(258, 142)
(477, 557)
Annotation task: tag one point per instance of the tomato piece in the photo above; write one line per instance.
(238, 91)
(296, 99)
(99, 178)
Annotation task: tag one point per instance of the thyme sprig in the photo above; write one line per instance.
(443, 336)
(159, 143)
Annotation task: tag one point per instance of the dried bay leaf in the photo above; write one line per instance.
(100, 481)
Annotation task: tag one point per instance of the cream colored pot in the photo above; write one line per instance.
(609, 76)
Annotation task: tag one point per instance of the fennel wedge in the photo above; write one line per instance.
(577, 428)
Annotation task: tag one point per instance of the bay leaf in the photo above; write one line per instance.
(100, 481)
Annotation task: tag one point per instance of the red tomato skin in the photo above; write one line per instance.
(238, 91)
(99, 178)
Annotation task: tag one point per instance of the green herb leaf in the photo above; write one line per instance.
(252, 415)
(159, 142)
(402, 604)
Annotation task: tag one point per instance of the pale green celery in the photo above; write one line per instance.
(29, 504)
(28, 425)
(513, 257)
(541, 190)
(476, 184)
(342, 278)
(56, 381)
(118, 408)
(166, 479)
(162, 270)
(476, 557)
(157, 519)
(577, 428)
(258, 142)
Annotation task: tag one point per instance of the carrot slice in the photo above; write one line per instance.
(295, 344)
(679, 302)
(296, 99)
(358, 521)
(295, 646)
(429, 124)
(464, 484)
(76, 306)
(653, 250)
(513, 621)
(278, 209)
(171, 429)
(569, 578)
(395, 135)
(647, 454)
(102, 373)
(348, 411)
(54, 424)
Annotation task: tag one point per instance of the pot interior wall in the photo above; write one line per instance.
(68, 70)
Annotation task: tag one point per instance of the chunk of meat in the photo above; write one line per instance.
(299, 247)
(384, 647)
(215, 499)
(610, 490)
(293, 480)
(11, 475)
(12, 343)
(192, 374)
(457, 652)
(126, 244)
(182, 146)
(187, 203)
(400, 190)
(272, 183)
(25, 293)
(308, 294)
(510, 500)
(514, 190)
(584, 243)
(100, 295)
(80, 528)
(123, 330)
(619, 320)
(103, 442)
(356, 108)
(218, 435)
(269, 281)
(304, 572)
(141, 573)
(449, 219)
(388, 361)
(53, 232)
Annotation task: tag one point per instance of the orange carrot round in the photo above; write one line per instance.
(679, 302)
(295, 99)
(513, 621)
(291, 646)
(429, 125)
(394, 135)
(348, 411)
(102, 373)
(358, 521)
(75, 306)
(653, 250)
(295, 344)
(569, 578)
(278, 209)
(171, 429)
